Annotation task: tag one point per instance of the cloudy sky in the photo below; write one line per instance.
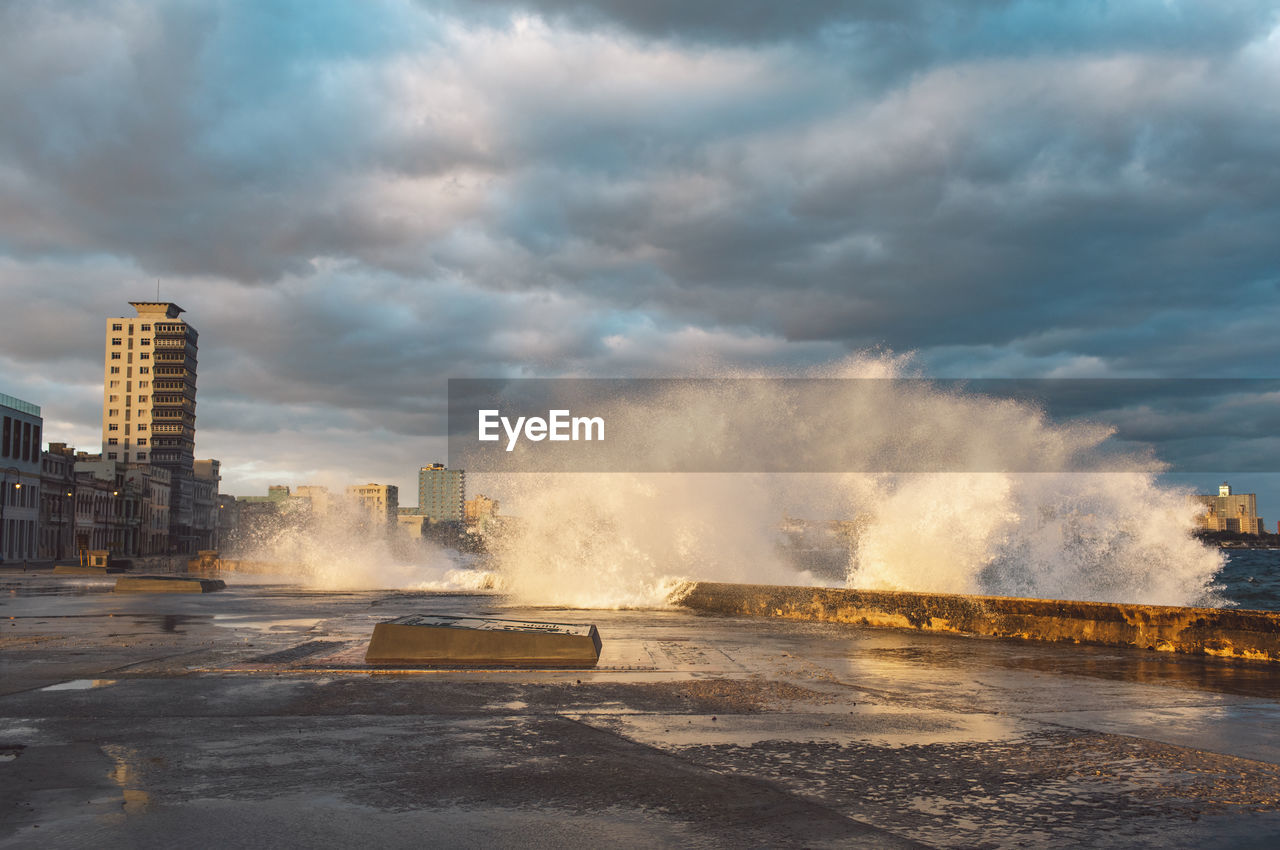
(356, 201)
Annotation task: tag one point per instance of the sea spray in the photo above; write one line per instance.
(1087, 524)
(339, 547)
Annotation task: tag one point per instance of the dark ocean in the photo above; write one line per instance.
(1251, 578)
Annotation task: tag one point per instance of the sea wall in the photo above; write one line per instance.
(209, 562)
(1224, 632)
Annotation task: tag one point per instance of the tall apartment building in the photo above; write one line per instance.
(149, 403)
(441, 493)
(19, 479)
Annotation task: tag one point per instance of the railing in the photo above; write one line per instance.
(18, 404)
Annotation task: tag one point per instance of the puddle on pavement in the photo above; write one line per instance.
(514, 705)
(236, 621)
(80, 685)
(127, 774)
(169, 622)
(881, 726)
(79, 588)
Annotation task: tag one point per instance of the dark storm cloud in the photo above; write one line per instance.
(910, 26)
(357, 201)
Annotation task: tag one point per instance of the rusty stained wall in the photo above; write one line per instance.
(1225, 632)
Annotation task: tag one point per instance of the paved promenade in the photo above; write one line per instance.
(248, 718)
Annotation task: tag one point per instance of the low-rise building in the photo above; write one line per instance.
(380, 501)
(20, 479)
(57, 503)
(204, 514)
(228, 523)
(411, 525)
(479, 510)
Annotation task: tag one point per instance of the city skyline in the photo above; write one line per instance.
(357, 202)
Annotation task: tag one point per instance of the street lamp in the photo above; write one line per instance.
(113, 523)
(69, 520)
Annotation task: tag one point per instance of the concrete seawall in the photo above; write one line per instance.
(1224, 632)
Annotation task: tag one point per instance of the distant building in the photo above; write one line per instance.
(20, 470)
(154, 534)
(121, 497)
(149, 404)
(411, 525)
(1226, 511)
(228, 522)
(206, 475)
(316, 497)
(476, 511)
(381, 501)
(442, 492)
(57, 503)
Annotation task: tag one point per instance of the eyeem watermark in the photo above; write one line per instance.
(559, 426)
(864, 425)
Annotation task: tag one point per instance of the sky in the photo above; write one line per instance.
(355, 201)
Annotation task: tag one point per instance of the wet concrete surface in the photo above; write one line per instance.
(248, 718)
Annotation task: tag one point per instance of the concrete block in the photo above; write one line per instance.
(482, 642)
(167, 584)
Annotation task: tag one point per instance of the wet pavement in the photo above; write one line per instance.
(248, 718)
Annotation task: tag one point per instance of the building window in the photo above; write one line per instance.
(113, 412)
(145, 341)
(111, 455)
(144, 370)
(142, 427)
(115, 370)
(142, 441)
(117, 327)
(142, 385)
(113, 427)
(146, 328)
(144, 356)
(115, 355)
(115, 341)
(113, 441)
(142, 455)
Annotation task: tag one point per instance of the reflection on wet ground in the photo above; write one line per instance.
(1209, 674)
(249, 717)
(62, 588)
(80, 685)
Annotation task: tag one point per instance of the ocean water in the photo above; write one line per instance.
(1251, 578)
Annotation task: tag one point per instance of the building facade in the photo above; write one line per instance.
(380, 501)
(57, 503)
(479, 510)
(20, 486)
(149, 403)
(204, 511)
(442, 493)
(1227, 511)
